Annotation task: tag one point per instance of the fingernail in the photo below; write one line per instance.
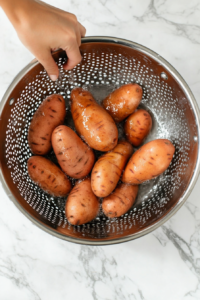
(53, 77)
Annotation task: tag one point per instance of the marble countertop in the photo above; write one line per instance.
(165, 264)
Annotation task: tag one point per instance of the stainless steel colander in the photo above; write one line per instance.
(107, 64)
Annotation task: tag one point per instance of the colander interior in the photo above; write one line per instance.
(105, 66)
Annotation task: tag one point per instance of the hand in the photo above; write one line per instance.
(43, 28)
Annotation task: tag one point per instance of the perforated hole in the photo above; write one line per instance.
(163, 75)
(12, 100)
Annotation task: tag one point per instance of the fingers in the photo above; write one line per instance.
(80, 32)
(49, 64)
(82, 29)
(78, 37)
(74, 56)
(72, 50)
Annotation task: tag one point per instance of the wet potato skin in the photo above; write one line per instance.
(108, 169)
(48, 176)
(149, 161)
(92, 121)
(82, 205)
(50, 114)
(75, 158)
(137, 127)
(98, 129)
(123, 101)
(120, 201)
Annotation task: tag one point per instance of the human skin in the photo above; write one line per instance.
(45, 29)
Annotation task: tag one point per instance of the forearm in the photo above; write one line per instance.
(14, 9)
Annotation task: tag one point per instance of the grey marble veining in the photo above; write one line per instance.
(162, 265)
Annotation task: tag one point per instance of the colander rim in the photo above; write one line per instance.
(188, 92)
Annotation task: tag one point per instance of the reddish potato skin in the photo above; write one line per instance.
(123, 101)
(92, 122)
(74, 157)
(137, 127)
(48, 176)
(108, 169)
(149, 161)
(50, 114)
(82, 205)
(120, 201)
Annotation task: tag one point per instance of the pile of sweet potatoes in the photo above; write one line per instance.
(115, 176)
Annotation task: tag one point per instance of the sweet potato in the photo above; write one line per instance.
(108, 169)
(82, 205)
(74, 156)
(92, 122)
(48, 176)
(149, 161)
(123, 101)
(120, 201)
(137, 127)
(47, 117)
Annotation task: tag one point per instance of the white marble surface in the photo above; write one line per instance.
(162, 265)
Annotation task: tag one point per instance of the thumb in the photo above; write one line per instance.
(49, 64)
